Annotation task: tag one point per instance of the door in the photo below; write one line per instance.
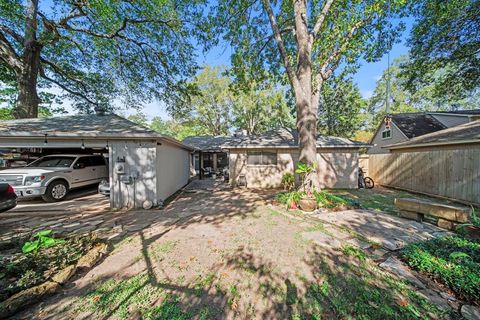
(83, 172)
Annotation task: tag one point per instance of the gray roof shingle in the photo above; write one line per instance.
(465, 133)
(85, 125)
(280, 138)
(416, 124)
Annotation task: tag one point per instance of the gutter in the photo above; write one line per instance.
(431, 144)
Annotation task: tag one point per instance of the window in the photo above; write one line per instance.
(53, 161)
(261, 158)
(97, 160)
(386, 134)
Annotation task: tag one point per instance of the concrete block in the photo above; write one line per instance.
(447, 212)
(411, 215)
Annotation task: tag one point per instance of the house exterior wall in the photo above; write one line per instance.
(338, 168)
(451, 120)
(378, 142)
(139, 180)
(172, 168)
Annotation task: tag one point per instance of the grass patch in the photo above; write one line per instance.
(453, 260)
(353, 251)
(158, 251)
(360, 291)
(324, 200)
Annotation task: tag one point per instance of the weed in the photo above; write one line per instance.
(353, 251)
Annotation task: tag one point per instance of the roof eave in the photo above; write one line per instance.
(430, 144)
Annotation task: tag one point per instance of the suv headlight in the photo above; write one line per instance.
(31, 180)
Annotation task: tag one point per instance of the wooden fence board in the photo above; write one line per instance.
(448, 173)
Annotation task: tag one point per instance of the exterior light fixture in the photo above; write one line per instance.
(83, 145)
(45, 140)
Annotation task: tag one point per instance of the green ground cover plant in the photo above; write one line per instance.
(453, 260)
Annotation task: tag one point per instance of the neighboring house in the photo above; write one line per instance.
(444, 163)
(143, 165)
(259, 161)
(405, 126)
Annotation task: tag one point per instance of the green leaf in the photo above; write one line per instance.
(30, 246)
(42, 233)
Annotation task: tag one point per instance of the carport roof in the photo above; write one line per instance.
(108, 126)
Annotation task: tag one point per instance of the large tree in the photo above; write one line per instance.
(445, 48)
(98, 52)
(342, 109)
(210, 107)
(307, 41)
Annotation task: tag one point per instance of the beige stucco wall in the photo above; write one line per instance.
(337, 168)
(377, 141)
(173, 170)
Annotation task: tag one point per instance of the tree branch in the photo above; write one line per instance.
(12, 33)
(278, 39)
(65, 88)
(8, 54)
(321, 19)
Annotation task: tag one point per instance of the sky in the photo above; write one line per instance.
(366, 76)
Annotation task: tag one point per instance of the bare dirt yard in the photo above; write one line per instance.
(217, 253)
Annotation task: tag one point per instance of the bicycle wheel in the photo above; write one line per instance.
(369, 184)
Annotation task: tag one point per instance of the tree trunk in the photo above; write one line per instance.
(27, 100)
(306, 108)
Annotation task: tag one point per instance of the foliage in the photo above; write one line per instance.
(452, 260)
(328, 200)
(423, 98)
(341, 111)
(288, 181)
(289, 199)
(43, 241)
(174, 128)
(305, 171)
(444, 46)
(21, 271)
(475, 221)
(210, 107)
(103, 52)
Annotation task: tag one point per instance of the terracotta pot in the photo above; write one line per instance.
(308, 204)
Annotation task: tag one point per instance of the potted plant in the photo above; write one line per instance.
(307, 202)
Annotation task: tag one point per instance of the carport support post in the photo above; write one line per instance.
(214, 163)
(201, 164)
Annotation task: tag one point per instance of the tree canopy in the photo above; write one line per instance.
(101, 52)
(444, 48)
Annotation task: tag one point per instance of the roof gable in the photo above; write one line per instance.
(416, 124)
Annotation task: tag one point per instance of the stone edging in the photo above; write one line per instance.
(34, 294)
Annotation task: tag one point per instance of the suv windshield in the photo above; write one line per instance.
(53, 161)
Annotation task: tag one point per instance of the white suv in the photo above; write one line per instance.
(53, 176)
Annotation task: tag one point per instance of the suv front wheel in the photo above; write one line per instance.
(56, 191)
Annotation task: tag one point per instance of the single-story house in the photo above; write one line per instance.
(259, 161)
(443, 163)
(209, 157)
(143, 165)
(403, 127)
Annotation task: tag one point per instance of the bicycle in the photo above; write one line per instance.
(364, 182)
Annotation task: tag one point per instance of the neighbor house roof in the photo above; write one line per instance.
(416, 124)
(462, 134)
(108, 126)
(287, 138)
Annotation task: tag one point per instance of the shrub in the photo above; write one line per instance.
(288, 181)
(453, 260)
(289, 198)
(328, 200)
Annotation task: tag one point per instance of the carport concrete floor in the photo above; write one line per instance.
(221, 253)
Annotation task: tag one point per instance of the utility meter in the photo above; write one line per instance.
(120, 168)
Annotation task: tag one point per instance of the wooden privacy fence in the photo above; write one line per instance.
(449, 173)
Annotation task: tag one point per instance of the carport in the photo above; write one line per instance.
(145, 168)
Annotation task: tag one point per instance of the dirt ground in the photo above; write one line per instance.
(217, 253)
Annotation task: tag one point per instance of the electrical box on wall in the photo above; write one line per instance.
(120, 168)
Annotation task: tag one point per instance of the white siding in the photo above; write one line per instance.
(140, 163)
(173, 170)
